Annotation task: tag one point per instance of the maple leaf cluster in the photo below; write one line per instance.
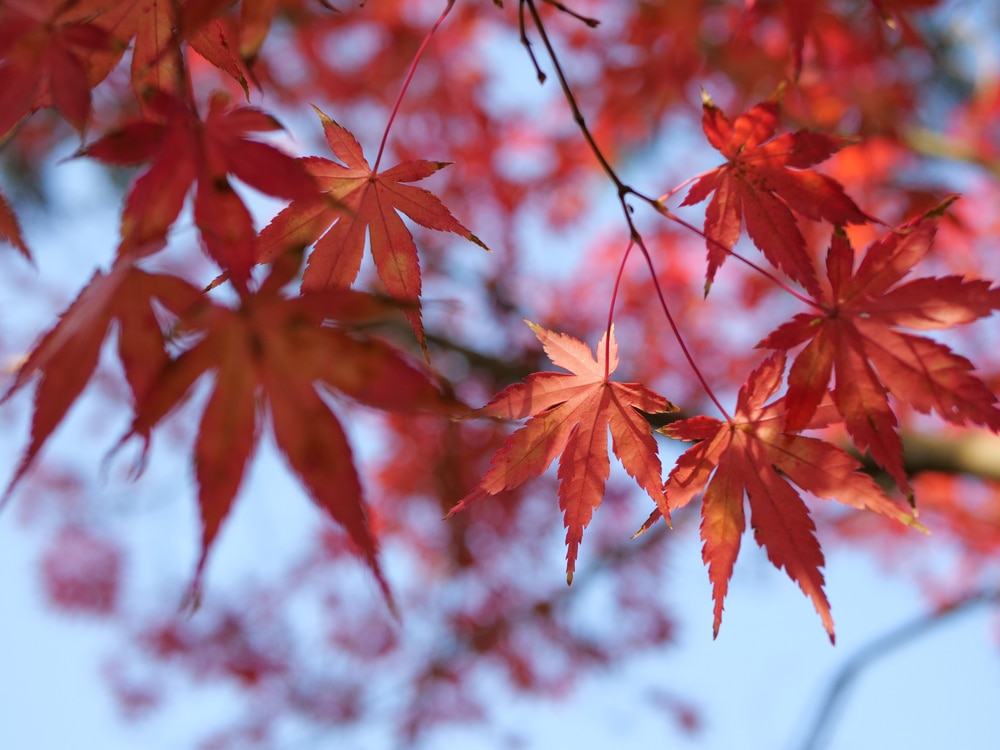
(269, 350)
(294, 348)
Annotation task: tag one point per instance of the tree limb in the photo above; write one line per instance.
(822, 726)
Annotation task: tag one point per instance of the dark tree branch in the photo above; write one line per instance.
(975, 453)
(822, 726)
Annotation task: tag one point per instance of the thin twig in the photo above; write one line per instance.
(591, 22)
(822, 725)
(623, 192)
(623, 189)
(526, 43)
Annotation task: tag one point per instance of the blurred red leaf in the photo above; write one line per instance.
(185, 149)
(285, 353)
(46, 47)
(10, 228)
(81, 572)
(66, 356)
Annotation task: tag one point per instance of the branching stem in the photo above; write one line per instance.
(759, 269)
(635, 239)
(623, 189)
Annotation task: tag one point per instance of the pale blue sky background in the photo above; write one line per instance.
(757, 686)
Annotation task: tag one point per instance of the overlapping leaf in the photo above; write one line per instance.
(855, 337)
(755, 456)
(285, 353)
(184, 149)
(763, 182)
(360, 202)
(51, 53)
(156, 29)
(570, 414)
(64, 358)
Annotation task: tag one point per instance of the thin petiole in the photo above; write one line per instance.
(406, 82)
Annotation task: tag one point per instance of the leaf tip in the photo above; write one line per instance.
(390, 600)
(6, 496)
(779, 92)
(655, 516)
(941, 207)
(475, 240)
(476, 494)
(191, 602)
(324, 118)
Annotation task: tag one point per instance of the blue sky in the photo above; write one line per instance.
(758, 685)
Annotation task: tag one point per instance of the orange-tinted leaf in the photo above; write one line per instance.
(855, 338)
(279, 352)
(570, 414)
(754, 456)
(361, 203)
(762, 184)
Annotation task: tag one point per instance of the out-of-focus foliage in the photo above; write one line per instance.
(859, 119)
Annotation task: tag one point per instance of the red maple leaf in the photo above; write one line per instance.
(571, 415)
(256, 17)
(287, 353)
(185, 149)
(158, 27)
(359, 201)
(51, 54)
(753, 455)
(763, 182)
(800, 18)
(799, 13)
(66, 356)
(10, 228)
(254, 24)
(855, 336)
